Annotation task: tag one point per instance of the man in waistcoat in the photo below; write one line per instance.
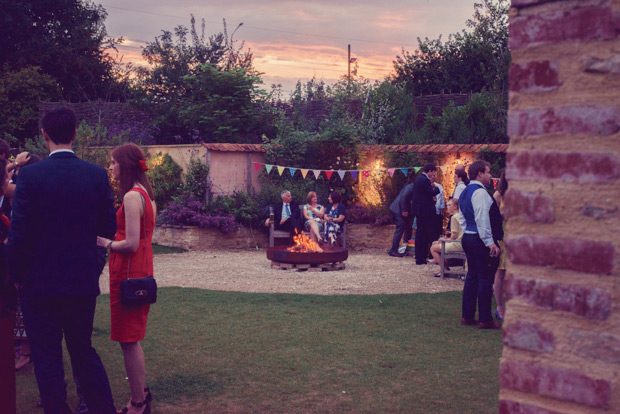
(478, 244)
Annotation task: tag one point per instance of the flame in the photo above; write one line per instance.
(303, 244)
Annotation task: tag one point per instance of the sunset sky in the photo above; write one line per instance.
(294, 40)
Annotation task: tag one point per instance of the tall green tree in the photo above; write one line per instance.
(67, 39)
(469, 61)
(201, 87)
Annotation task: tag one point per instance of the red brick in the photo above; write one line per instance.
(566, 23)
(530, 206)
(600, 346)
(534, 77)
(513, 407)
(589, 302)
(568, 167)
(555, 382)
(588, 256)
(597, 65)
(590, 119)
(529, 337)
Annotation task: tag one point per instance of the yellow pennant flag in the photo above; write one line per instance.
(280, 170)
(304, 173)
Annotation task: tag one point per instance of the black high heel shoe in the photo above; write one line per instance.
(147, 409)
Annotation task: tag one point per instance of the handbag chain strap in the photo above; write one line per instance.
(144, 227)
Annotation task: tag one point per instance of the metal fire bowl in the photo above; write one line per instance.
(330, 254)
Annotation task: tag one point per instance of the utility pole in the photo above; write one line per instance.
(349, 65)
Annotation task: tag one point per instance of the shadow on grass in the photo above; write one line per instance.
(215, 352)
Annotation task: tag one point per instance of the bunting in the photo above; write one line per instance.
(268, 167)
(353, 174)
(304, 172)
(404, 171)
(328, 174)
(257, 166)
(316, 174)
(292, 171)
(366, 173)
(280, 170)
(391, 171)
(341, 174)
(495, 182)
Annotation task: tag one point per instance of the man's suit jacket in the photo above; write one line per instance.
(295, 214)
(404, 201)
(60, 206)
(423, 193)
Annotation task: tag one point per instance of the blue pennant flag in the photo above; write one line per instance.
(404, 170)
(292, 171)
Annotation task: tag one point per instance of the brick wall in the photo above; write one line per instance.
(562, 330)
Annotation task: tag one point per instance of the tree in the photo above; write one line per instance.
(466, 62)
(201, 87)
(67, 39)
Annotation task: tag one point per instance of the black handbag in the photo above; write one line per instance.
(141, 290)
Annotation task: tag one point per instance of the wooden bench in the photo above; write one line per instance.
(281, 234)
(453, 255)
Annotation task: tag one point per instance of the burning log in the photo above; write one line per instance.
(303, 244)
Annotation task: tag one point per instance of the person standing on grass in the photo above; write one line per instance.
(424, 209)
(479, 246)
(60, 206)
(131, 256)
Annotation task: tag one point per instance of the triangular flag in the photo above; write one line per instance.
(495, 181)
(353, 174)
(316, 173)
(257, 166)
(280, 170)
(404, 170)
(391, 171)
(366, 173)
(341, 173)
(416, 169)
(304, 173)
(443, 168)
(329, 173)
(268, 167)
(292, 171)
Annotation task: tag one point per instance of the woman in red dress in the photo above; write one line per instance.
(131, 256)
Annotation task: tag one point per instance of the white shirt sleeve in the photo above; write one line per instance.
(481, 202)
(441, 201)
(458, 190)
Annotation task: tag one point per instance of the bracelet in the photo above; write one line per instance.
(109, 245)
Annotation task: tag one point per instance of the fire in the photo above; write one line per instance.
(303, 244)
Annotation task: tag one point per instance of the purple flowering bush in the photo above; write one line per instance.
(357, 213)
(190, 212)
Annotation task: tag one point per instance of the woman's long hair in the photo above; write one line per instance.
(130, 158)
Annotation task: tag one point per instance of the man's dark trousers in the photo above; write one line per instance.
(423, 237)
(48, 319)
(479, 280)
(403, 230)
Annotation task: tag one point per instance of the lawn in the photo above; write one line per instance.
(216, 352)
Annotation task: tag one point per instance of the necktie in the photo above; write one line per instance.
(288, 210)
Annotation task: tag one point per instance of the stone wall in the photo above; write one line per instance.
(562, 329)
(359, 236)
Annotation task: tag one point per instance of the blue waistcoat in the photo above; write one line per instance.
(467, 208)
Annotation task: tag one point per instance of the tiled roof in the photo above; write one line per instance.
(437, 148)
(233, 147)
(440, 148)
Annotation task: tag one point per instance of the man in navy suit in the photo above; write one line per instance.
(286, 214)
(60, 207)
(424, 209)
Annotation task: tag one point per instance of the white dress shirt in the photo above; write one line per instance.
(481, 202)
(458, 190)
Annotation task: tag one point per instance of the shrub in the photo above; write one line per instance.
(359, 214)
(191, 212)
(165, 177)
(196, 179)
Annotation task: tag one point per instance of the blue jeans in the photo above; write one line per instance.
(479, 281)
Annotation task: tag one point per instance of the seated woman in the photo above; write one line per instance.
(334, 217)
(313, 213)
(456, 234)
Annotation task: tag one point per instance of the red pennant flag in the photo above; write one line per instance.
(329, 173)
(366, 173)
(495, 181)
(257, 166)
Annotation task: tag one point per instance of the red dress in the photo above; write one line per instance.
(128, 324)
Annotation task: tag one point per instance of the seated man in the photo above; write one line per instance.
(286, 214)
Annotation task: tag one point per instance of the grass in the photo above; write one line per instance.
(159, 249)
(214, 352)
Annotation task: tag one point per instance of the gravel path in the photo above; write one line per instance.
(366, 273)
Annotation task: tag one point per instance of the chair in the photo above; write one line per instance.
(452, 255)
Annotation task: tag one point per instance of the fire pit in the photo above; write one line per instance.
(307, 255)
